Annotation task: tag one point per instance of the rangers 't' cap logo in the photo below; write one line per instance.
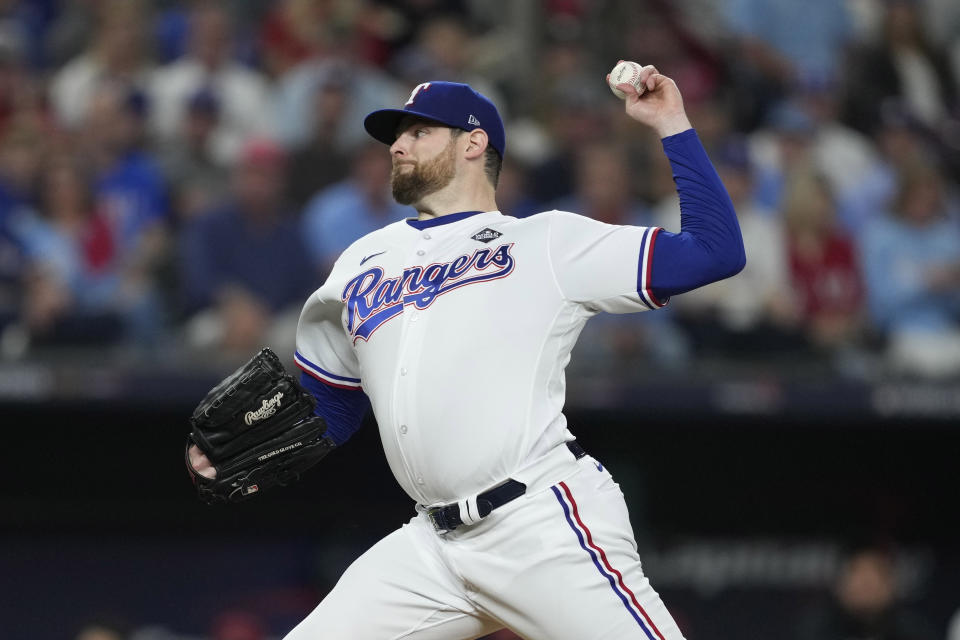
(450, 103)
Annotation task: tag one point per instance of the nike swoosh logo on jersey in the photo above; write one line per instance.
(372, 255)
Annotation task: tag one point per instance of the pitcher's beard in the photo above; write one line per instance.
(410, 186)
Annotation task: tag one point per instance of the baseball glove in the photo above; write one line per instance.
(258, 429)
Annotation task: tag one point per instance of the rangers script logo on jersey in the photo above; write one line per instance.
(372, 300)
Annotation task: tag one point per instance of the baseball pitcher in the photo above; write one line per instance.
(456, 327)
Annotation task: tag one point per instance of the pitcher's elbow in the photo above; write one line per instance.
(731, 264)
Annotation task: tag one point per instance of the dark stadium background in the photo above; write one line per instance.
(99, 517)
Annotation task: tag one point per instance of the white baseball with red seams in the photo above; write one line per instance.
(627, 72)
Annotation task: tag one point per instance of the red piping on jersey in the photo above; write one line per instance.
(325, 381)
(649, 289)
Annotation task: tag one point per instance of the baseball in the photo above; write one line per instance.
(625, 71)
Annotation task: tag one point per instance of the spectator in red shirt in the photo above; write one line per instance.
(293, 32)
(823, 264)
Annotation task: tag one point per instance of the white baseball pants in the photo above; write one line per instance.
(558, 564)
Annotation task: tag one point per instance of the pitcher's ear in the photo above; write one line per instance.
(478, 143)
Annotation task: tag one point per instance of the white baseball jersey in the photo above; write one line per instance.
(459, 329)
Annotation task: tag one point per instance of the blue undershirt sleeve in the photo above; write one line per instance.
(342, 409)
(709, 246)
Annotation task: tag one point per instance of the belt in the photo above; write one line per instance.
(471, 511)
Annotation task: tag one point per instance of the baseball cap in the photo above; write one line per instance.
(450, 103)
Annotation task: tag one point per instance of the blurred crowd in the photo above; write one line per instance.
(179, 176)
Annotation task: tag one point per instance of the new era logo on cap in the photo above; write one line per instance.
(486, 235)
(450, 103)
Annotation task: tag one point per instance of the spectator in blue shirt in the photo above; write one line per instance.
(129, 186)
(78, 291)
(912, 265)
(245, 269)
(12, 260)
(351, 208)
(776, 43)
(130, 194)
(796, 38)
(19, 161)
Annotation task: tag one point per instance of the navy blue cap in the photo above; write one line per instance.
(449, 103)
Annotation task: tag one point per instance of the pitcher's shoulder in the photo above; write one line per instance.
(545, 217)
(539, 221)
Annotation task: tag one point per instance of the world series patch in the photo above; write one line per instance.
(486, 235)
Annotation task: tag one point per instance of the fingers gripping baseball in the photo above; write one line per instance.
(631, 74)
(649, 97)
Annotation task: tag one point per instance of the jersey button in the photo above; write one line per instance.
(420, 252)
(403, 428)
(426, 236)
(414, 317)
(419, 479)
(403, 371)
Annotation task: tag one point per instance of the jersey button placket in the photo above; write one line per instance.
(422, 252)
(407, 439)
(405, 446)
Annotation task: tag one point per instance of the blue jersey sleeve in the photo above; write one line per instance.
(709, 246)
(341, 408)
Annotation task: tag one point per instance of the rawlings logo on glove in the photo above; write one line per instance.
(267, 409)
(254, 450)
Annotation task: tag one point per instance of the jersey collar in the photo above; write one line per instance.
(435, 222)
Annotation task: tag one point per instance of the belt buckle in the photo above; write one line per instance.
(438, 518)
